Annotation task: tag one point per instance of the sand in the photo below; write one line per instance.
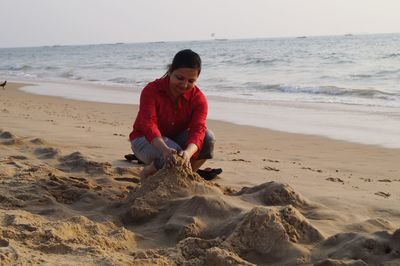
(67, 196)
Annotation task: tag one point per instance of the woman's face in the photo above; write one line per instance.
(182, 80)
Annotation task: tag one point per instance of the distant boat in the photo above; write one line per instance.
(348, 35)
(221, 40)
(301, 37)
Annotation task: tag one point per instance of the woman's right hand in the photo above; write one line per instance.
(167, 153)
(169, 157)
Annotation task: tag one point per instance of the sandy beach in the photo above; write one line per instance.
(68, 197)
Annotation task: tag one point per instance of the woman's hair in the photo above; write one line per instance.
(187, 59)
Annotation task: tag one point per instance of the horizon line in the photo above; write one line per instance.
(200, 40)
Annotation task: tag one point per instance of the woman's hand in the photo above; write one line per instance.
(186, 158)
(187, 154)
(169, 157)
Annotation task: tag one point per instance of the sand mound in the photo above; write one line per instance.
(76, 234)
(6, 135)
(372, 225)
(202, 216)
(371, 249)
(159, 190)
(271, 234)
(46, 152)
(190, 251)
(68, 190)
(274, 194)
(38, 141)
(195, 210)
(7, 138)
(76, 162)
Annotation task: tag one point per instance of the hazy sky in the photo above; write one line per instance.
(49, 22)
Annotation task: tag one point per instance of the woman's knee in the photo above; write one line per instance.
(144, 150)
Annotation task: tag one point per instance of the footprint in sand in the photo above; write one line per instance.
(383, 194)
(241, 160)
(314, 170)
(271, 161)
(366, 179)
(335, 179)
(271, 168)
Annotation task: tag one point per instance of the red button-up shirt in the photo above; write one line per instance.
(159, 116)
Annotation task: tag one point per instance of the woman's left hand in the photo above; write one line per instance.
(186, 158)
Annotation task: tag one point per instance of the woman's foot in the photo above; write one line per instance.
(209, 173)
(132, 157)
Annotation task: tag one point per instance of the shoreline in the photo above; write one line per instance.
(352, 187)
(352, 123)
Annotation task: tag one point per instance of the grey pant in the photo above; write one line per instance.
(148, 153)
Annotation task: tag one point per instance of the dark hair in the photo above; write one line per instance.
(185, 58)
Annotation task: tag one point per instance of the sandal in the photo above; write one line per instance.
(132, 157)
(209, 173)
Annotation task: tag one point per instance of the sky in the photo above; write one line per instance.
(64, 22)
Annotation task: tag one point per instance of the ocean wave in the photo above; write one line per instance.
(335, 61)
(388, 72)
(252, 61)
(19, 67)
(391, 55)
(330, 91)
(262, 61)
(69, 74)
(51, 68)
(121, 80)
(361, 76)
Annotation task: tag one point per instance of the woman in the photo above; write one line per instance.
(172, 120)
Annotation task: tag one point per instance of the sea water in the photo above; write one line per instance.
(343, 87)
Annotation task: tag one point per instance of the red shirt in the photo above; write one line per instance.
(159, 116)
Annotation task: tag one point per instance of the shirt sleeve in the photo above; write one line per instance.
(148, 122)
(197, 128)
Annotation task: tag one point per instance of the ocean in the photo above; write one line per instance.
(342, 87)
